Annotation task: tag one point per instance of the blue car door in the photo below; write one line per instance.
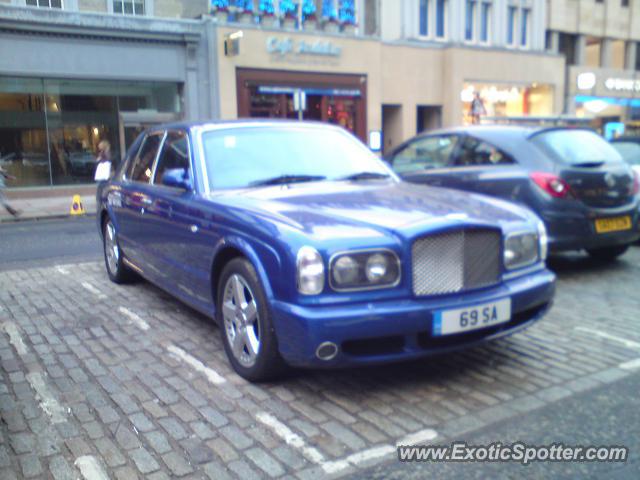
(136, 198)
(484, 168)
(426, 160)
(178, 247)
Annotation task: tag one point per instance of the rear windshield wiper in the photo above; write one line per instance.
(284, 179)
(589, 163)
(365, 176)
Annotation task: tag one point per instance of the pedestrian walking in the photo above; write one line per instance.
(103, 169)
(3, 199)
(477, 108)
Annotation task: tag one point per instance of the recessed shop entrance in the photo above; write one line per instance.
(331, 98)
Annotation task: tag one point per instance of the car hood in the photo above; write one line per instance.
(326, 208)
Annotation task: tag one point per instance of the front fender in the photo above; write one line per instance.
(264, 258)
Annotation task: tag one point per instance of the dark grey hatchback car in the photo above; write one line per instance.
(573, 179)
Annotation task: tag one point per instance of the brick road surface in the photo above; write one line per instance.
(107, 381)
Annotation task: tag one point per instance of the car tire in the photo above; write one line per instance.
(246, 326)
(608, 253)
(116, 269)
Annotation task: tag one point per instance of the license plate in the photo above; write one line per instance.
(446, 322)
(613, 224)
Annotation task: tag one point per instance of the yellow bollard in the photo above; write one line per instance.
(76, 206)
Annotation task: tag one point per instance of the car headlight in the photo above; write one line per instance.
(364, 270)
(521, 250)
(543, 240)
(310, 269)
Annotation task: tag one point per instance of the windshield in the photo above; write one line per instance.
(576, 147)
(246, 157)
(630, 151)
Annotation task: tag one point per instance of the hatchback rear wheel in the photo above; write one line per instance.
(608, 253)
(247, 330)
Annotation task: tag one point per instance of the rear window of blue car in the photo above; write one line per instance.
(576, 147)
(630, 151)
(240, 157)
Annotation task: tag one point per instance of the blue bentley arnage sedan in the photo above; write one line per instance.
(309, 251)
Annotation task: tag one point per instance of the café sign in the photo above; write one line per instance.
(622, 84)
(287, 46)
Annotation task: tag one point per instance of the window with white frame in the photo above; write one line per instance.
(433, 16)
(512, 18)
(485, 22)
(424, 17)
(470, 21)
(441, 18)
(45, 3)
(128, 7)
(524, 27)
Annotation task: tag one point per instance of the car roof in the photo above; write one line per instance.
(504, 132)
(242, 123)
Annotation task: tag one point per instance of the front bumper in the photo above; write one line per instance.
(388, 331)
(574, 228)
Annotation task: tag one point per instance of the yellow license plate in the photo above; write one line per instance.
(613, 224)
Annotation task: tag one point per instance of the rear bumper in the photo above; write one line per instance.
(381, 332)
(574, 228)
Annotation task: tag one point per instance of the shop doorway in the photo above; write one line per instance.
(428, 118)
(335, 99)
(391, 126)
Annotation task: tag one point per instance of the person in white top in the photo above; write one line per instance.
(103, 170)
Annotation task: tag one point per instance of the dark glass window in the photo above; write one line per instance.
(425, 153)
(511, 25)
(485, 22)
(175, 154)
(524, 27)
(441, 16)
(45, 3)
(142, 167)
(469, 20)
(128, 7)
(424, 17)
(474, 152)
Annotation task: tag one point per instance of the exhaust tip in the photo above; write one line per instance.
(327, 351)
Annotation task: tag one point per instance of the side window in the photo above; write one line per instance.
(425, 153)
(174, 154)
(143, 164)
(475, 152)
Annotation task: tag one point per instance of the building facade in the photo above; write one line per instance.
(73, 72)
(600, 41)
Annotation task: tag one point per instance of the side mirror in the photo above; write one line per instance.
(177, 178)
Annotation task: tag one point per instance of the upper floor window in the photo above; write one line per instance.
(625, 3)
(441, 18)
(511, 25)
(485, 22)
(424, 17)
(45, 3)
(470, 16)
(128, 7)
(524, 27)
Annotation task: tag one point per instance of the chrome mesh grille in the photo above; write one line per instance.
(454, 261)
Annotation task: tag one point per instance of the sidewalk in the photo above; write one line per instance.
(47, 203)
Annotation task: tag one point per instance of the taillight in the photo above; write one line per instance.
(552, 184)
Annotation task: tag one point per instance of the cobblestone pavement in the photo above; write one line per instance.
(100, 380)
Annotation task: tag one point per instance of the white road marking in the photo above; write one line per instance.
(94, 290)
(15, 338)
(290, 438)
(135, 318)
(48, 403)
(62, 270)
(358, 458)
(213, 376)
(630, 365)
(90, 468)
(418, 437)
(627, 343)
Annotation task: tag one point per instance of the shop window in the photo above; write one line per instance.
(45, 3)
(474, 152)
(424, 153)
(512, 15)
(128, 7)
(524, 27)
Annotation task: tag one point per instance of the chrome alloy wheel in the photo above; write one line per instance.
(240, 314)
(111, 249)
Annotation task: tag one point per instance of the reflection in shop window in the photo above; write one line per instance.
(128, 7)
(45, 3)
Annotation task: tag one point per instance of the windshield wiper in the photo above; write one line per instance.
(284, 179)
(365, 176)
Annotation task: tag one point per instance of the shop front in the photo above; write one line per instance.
(611, 98)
